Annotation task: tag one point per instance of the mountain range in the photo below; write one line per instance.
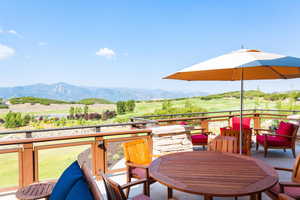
(68, 92)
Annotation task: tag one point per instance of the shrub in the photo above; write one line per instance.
(108, 115)
(130, 105)
(15, 119)
(85, 110)
(121, 107)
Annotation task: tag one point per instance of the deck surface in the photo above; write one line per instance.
(159, 192)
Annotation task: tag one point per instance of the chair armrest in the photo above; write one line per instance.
(198, 129)
(128, 185)
(262, 129)
(155, 156)
(129, 164)
(287, 184)
(287, 136)
(283, 169)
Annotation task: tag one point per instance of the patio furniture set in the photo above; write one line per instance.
(284, 137)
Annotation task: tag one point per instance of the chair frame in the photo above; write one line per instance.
(114, 191)
(284, 147)
(295, 181)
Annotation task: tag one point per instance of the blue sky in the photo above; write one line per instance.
(135, 43)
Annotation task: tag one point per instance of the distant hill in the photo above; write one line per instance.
(91, 101)
(44, 101)
(68, 92)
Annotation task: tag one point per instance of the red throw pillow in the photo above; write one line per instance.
(285, 128)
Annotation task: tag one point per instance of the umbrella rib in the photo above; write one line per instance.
(276, 72)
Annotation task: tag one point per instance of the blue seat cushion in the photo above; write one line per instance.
(66, 181)
(80, 191)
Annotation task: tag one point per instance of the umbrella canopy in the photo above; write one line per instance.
(255, 65)
(243, 64)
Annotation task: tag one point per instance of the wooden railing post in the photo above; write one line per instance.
(98, 156)
(257, 121)
(204, 124)
(27, 165)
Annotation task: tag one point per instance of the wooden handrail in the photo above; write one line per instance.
(68, 137)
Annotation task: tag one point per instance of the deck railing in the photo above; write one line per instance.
(29, 147)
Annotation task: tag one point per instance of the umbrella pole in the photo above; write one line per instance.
(241, 110)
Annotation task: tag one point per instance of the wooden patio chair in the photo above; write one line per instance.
(235, 123)
(290, 188)
(199, 136)
(115, 192)
(138, 156)
(246, 143)
(283, 138)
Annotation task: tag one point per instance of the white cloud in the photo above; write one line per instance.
(6, 52)
(106, 52)
(12, 32)
(42, 43)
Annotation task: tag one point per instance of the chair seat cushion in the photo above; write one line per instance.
(80, 191)
(141, 197)
(139, 172)
(66, 181)
(199, 139)
(291, 191)
(272, 140)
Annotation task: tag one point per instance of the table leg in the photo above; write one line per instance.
(170, 193)
(256, 196)
(207, 197)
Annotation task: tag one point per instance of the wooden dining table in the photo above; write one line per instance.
(213, 174)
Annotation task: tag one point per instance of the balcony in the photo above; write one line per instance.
(30, 153)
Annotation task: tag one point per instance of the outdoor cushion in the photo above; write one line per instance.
(272, 140)
(66, 181)
(80, 191)
(291, 191)
(285, 128)
(236, 123)
(140, 172)
(199, 138)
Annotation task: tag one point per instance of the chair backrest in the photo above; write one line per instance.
(224, 144)
(294, 134)
(85, 157)
(91, 182)
(247, 133)
(113, 189)
(137, 151)
(235, 123)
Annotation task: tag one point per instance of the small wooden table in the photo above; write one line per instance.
(213, 174)
(35, 191)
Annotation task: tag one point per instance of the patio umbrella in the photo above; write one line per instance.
(243, 64)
